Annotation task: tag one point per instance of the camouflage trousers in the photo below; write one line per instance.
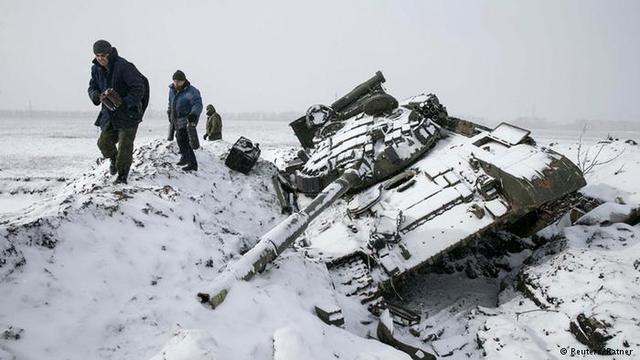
(123, 154)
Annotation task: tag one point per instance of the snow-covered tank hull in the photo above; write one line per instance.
(418, 183)
(435, 182)
(463, 187)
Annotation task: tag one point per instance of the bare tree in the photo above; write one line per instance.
(587, 163)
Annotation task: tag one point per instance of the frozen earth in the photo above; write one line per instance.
(89, 270)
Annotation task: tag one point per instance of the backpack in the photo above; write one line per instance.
(145, 97)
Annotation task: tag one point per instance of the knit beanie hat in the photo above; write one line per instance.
(102, 47)
(179, 75)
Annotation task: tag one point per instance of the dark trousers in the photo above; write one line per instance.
(123, 154)
(186, 152)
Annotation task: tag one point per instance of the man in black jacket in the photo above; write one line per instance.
(124, 94)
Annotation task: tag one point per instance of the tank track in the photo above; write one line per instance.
(351, 275)
(575, 204)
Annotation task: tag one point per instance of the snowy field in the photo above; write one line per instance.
(39, 154)
(89, 271)
(61, 147)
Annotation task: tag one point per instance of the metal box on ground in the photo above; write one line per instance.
(243, 155)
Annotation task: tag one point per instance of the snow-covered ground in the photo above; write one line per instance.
(38, 155)
(93, 271)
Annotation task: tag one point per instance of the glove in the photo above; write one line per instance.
(204, 137)
(192, 118)
(134, 113)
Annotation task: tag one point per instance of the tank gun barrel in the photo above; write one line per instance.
(278, 239)
(366, 87)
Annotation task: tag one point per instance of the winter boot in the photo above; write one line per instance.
(182, 161)
(191, 167)
(122, 177)
(112, 166)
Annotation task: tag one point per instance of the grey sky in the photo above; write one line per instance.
(493, 59)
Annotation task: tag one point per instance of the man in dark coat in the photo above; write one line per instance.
(123, 92)
(185, 106)
(214, 124)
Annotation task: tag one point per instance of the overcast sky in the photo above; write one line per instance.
(563, 60)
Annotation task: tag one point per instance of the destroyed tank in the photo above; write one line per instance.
(413, 183)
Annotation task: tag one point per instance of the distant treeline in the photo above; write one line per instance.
(288, 116)
(45, 114)
(579, 124)
(153, 114)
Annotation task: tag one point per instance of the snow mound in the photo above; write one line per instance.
(89, 272)
(189, 345)
(111, 272)
(587, 272)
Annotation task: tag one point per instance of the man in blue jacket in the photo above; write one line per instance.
(124, 94)
(185, 106)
